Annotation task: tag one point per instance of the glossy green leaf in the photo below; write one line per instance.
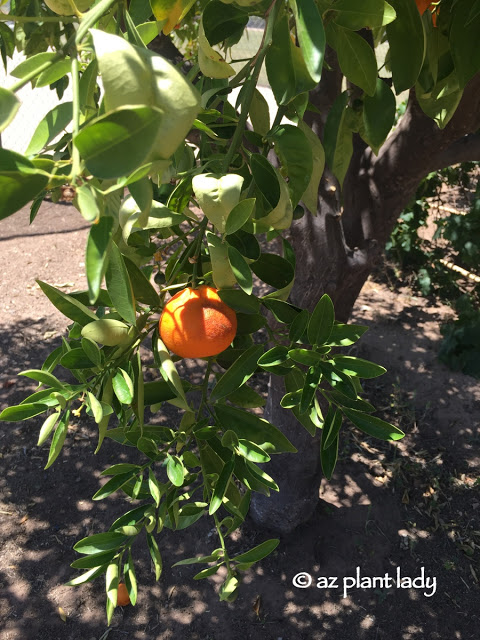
(343, 335)
(95, 406)
(279, 63)
(123, 387)
(321, 322)
(43, 377)
(130, 578)
(356, 59)
(260, 113)
(175, 470)
(114, 484)
(273, 270)
(221, 486)
(283, 311)
(337, 140)
(241, 270)
(378, 115)
(311, 35)
(259, 552)
(88, 576)
(89, 202)
(119, 286)
(98, 243)
(328, 456)
(266, 179)
(47, 428)
(246, 398)
(358, 367)
(222, 21)
(58, 439)
(355, 15)
(54, 73)
(94, 560)
(155, 555)
(20, 182)
(373, 426)
(312, 380)
(33, 63)
(251, 451)
(291, 146)
(240, 301)
(406, 37)
(67, 305)
(116, 144)
(9, 105)
(143, 290)
(250, 427)
(169, 372)
(331, 427)
(241, 370)
(310, 195)
(76, 359)
(463, 38)
(239, 215)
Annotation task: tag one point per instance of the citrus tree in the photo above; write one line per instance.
(224, 232)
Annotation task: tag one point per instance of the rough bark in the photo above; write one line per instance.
(337, 248)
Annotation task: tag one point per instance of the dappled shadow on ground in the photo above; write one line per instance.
(387, 507)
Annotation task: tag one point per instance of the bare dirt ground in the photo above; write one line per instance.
(412, 506)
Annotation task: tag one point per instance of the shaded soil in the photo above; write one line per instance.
(413, 506)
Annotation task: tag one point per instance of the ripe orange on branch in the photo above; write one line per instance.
(122, 595)
(196, 323)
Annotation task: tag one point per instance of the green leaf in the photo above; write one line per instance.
(9, 105)
(279, 63)
(91, 350)
(143, 290)
(87, 576)
(406, 36)
(98, 243)
(266, 179)
(100, 542)
(306, 356)
(197, 560)
(355, 15)
(312, 380)
(273, 270)
(257, 430)
(246, 398)
(44, 377)
(241, 270)
(58, 439)
(22, 411)
(107, 331)
(221, 486)
(123, 387)
(241, 370)
(311, 35)
(54, 73)
(283, 311)
(293, 150)
(373, 426)
(321, 322)
(239, 215)
(67, 305)
(155, 555)
(111, 582)
(240, 301)
(169, 372)
(358, 367)
(259, 552)
(328, 456)
(94, 560)
(130, 578)
(222, 21)
(251, 451)
(76, 359)
(119, 286)
(378, 115)
(343, 335)
(338, 138)
(116, 144)
(89, 202)
(299, 326)
(20, 182)
(114, 484)
(356, 59)
(96, 407)
(47, 428)
(205, 573)
(310, 195)
(331, 427)
(463, 38)
(175, 470)
(33, 63)
(259, 114)
(274, 357)
(154, 487)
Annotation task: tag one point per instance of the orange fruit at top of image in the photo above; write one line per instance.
(196, 323)
(423, 5)
(122, 595)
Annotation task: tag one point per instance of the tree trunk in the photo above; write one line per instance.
(336, 250)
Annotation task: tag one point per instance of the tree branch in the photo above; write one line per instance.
(466, 149)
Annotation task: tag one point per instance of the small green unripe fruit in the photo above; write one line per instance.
(64, 8)
(159, 278)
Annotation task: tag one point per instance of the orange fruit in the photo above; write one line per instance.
(122, 595)
(423, 5)
(196, 323)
